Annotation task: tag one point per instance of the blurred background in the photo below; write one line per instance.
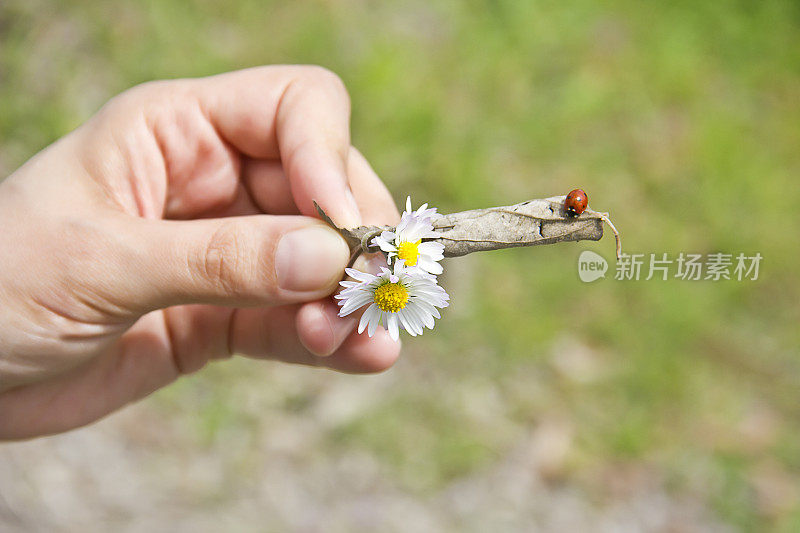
(540, 403)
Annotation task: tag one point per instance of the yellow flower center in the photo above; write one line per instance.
(409, 251)
(391, 297)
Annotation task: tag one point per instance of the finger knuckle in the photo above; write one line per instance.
(86, 256)
(136, 95)
(327, 78)
(149, 98)
(150, 88)
(224, 261)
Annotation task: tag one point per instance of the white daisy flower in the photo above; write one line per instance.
(405, 242)
(398, 299)
(422, 212)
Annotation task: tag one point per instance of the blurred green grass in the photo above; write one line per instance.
(680, 118)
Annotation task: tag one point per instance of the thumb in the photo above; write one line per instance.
(236, 261)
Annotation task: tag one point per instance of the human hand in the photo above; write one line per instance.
(168, 231)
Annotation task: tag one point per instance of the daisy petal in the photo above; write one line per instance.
(367, 317)
(392, 327)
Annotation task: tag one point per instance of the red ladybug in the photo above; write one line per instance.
(576, 202)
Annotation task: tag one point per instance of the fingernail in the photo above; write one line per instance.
(310, 259)
(370, 263)
(319, 338)
(322, 330)
(350, 214)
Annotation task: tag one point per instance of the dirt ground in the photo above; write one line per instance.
(146, 469)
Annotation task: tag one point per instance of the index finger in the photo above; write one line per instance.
(300, 114)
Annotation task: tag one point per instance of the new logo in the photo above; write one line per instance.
(591, 266)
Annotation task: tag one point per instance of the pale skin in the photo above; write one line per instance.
(175, 227)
